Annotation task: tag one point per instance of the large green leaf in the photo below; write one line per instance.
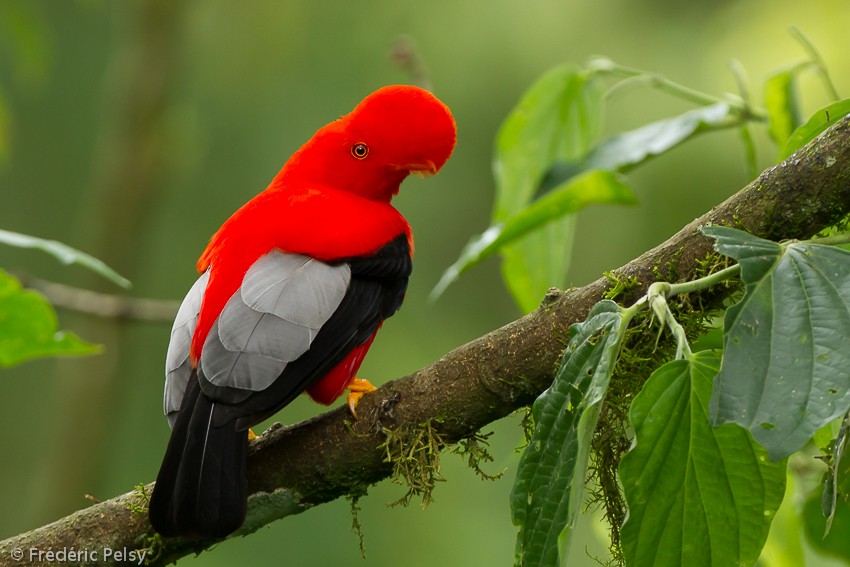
(558, 119)
(64, 254)
(780, 99)
(28, 327)
(697, 495)
(547, 494)
(819, 121)
(591, 187)
(530, 271)
(784, 371)
(624, 151)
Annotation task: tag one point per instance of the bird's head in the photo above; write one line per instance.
(395, 131)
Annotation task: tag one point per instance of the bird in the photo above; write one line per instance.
(292, 290)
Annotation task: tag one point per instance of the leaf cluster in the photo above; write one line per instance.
(551, 159)
(684, 446)
(703, 476)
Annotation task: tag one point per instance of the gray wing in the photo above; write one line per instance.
(269, 322)
(178, 369)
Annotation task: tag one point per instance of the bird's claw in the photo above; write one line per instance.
(356, 389)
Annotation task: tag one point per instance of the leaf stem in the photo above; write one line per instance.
(633, 75)
(705, 282)
(605, 65)
(817, 60)
(739, 73)
(657, 296)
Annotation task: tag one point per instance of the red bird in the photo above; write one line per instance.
(293, 288)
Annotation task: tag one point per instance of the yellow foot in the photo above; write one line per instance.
(251, 435)
(356, 389)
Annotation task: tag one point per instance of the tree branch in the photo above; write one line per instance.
(102, 304)
(293, 468)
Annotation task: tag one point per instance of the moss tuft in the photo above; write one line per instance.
(619, 284)
(414, 453)
(474, 448)
(138, 502)
(150, 542)
(356, 526)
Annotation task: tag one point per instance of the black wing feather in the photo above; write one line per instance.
(200, 489)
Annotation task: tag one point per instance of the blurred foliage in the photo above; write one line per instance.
(63, 253)
(23, 39)
(244, 89)
(28, 327)
(549, 147)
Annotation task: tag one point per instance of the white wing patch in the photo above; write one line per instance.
(178, 369)
(271, 320)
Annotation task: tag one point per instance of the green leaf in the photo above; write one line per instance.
(833, 540)
(538, 262)
(24, 29)
(547, 494)
(836, 484)
(784, 371)
(558, 119)
(28, 327)
(632, 148)
(64, 254)
(784, 545)
(629, 149)
(819, 121)
(749, 151)
(780, 99)
(696, 495)
(591, 187)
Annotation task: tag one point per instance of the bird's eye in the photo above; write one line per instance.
(360, 150)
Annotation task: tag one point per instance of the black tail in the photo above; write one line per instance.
(200, 489)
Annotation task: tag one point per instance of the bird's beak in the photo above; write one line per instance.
(425, 169)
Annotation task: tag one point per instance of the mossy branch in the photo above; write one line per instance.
(293, 468)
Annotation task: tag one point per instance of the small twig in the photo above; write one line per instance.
(406, 57)
(103, 304)
(816, 58)
(660, 82)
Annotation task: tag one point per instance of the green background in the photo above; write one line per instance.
(245, 85)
